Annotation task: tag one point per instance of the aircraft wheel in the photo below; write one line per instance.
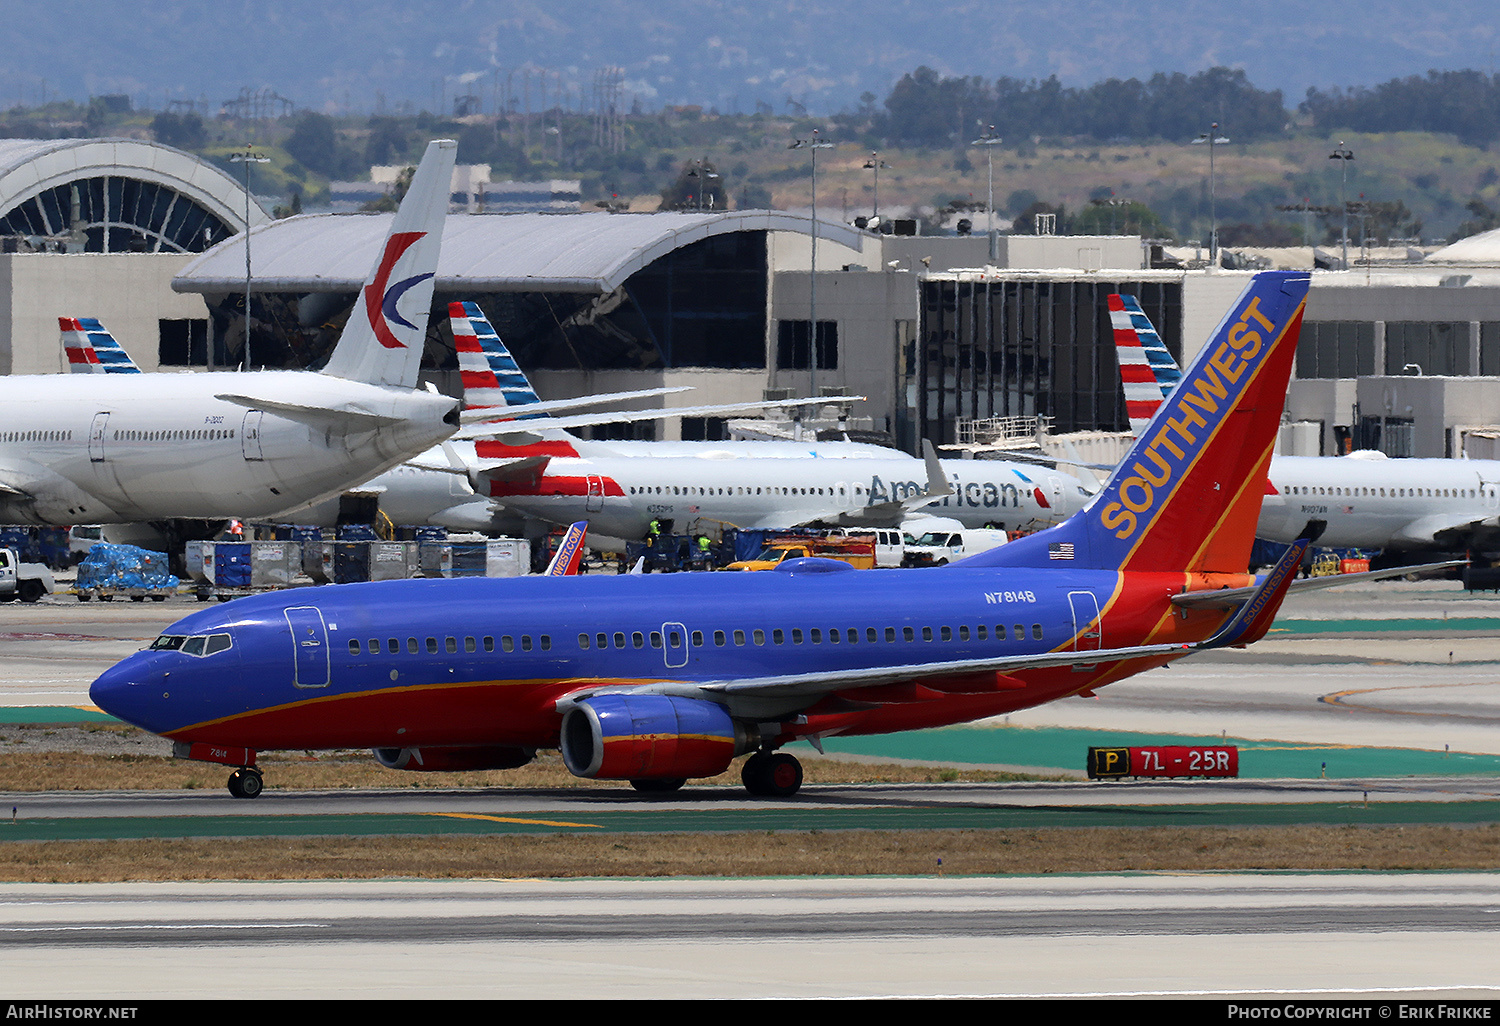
(245, 783)
(772, 775)
(658, 785)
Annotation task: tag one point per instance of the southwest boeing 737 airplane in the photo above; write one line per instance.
(657, 679)
(121, 448)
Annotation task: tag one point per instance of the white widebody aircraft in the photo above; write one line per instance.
(118, 448)
(1368, 500)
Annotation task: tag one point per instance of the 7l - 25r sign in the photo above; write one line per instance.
(1164, 761)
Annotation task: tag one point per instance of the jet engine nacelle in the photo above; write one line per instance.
(449, 760)
(642, 737)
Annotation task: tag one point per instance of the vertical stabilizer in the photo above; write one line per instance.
(491, 376)
(92, 350)
(1148, 373)
(383, 340)
(1187, 495)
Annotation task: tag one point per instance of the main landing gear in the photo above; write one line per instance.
(246, 782)
(772, 775)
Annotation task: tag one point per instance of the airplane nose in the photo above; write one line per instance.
(127, 690)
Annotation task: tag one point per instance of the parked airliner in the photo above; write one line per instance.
(660, 678)
(1368, 500)
(116, 448)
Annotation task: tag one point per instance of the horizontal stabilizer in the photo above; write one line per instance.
(482, 414)
(523, 427)
(347, 417)
(1229, 598)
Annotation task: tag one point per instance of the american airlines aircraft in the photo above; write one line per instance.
(120, 448)
(1368, 500)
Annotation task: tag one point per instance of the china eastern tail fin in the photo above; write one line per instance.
(92, 350)
(382, 342)
(1147, 370)
(1187, 495)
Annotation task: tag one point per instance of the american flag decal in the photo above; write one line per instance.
(1060, 550)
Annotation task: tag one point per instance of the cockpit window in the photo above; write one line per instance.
(196, 645)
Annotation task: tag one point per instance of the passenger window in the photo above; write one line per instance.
(1020, 634)
(697, 639)
(638, 639)
(393, 645)
(602, 640)
(619, 639)
(796, 635)
(759, 636)
(908, 634)
(981, 634)
(451, 644)
(778, 636)
(816, 636)
(947, 633)
(719, 638)
(489, 643)
(583, 642)
(546, 641)
(963, 633)
(353, 645)
(871, 636)
(890, 634)
(656, 639)
(926, 633)
(411, 645)
(432, 645)
(507, 643)
(739, 637)
(1036, 631)
(469, 645)
(526, 643)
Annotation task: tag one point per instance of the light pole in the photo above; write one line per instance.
(815, 144)
(1213, 138)
(247, 158)
(875, 164)
(989, 140)
(703, 174)
(1343, 155)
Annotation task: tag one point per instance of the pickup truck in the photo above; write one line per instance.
(858, 553)
(25, 581)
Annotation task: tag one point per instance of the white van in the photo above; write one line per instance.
(941, 546)
(890, 547)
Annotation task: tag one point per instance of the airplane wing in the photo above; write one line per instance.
(524, 427)
(1253, 615)
(891, 514)
(1445, 531)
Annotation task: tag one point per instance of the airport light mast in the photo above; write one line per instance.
(1343, 155)
(247, 158)
(815, 144)
(875, 164)
(989, 140)
(1213, 138)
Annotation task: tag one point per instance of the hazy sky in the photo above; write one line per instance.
(338, 55)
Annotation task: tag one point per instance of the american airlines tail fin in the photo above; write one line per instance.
(491, 377)
(382, 342)
(1187, 495)
(1147, 370)
(92, 350)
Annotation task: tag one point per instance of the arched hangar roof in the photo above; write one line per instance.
(124, 188)
(585, 252)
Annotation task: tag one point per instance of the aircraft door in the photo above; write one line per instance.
(1088, 630)
(250, 435)
(594, 501)
(96, 437)
(674, 644)
(309, 647)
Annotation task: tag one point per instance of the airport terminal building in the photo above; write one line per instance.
(938, 333)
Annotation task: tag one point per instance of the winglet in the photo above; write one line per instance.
(1251, 621)
(569, 552)
(382, 342)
